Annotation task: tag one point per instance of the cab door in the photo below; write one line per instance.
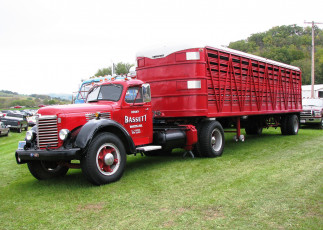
(137, 115)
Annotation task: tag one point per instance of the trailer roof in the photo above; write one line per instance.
(164, 51)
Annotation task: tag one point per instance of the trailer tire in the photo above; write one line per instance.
(105, 160)
(211, 139)
(291, 125)
(44, 170)
(253, 127)
(283, 125)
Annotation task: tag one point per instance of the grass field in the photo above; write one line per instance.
(267, 182)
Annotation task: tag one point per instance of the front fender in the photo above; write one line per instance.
(91, 128)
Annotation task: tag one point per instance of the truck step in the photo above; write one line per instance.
(149, 148)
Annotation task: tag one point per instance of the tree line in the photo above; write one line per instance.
(119, 69)
(288, 44)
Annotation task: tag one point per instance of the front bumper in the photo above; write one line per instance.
(23, 156)
(310, 120)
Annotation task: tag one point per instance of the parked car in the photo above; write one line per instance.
(312, 113)
(15, 121)
(4, 130)
(31, 121)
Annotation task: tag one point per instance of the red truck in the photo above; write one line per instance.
(180, 99)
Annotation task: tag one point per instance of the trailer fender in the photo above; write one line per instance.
(91, 128)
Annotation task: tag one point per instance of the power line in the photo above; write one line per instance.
(312, 70)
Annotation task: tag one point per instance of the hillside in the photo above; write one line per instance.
(288, 44)
(10, 99)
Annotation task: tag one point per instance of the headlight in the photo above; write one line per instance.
(29, 135)
(317, 113)
(63, 134)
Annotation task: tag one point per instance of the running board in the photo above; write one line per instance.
(149, 148)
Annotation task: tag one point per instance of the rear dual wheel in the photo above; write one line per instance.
(105, 159)
(254, 126)
(211, 139)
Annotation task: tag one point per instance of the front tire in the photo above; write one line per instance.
(44, 170)
(105, 159)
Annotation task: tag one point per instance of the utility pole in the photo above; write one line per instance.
(313, 50)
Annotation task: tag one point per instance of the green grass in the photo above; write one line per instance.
(267, 182)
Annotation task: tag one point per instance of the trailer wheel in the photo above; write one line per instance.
(105, 159)
(211, 139)
(253, 127)
(44, 170)
(283, 122)
(291, 125)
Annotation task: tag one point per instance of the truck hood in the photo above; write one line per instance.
(76, 108)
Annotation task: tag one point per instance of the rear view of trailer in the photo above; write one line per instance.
(219, 82)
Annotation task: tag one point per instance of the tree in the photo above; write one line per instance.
(103, 71)
(122, 68)
(288, 44)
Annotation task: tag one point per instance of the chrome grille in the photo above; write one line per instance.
(90, 116)
(47, 132)
(306, 113)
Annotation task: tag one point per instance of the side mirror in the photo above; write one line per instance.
(146, 93)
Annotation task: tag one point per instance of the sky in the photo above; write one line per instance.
(49, 46)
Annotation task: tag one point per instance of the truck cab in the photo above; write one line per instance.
(116, 118)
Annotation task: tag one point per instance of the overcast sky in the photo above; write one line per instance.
(49, 46)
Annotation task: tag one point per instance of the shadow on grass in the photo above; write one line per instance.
(76, 180)
(137, 165)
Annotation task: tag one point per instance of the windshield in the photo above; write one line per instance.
(84, 90)
(111, 92)
(313, 102)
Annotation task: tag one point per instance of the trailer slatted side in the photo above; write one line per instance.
(240, 84)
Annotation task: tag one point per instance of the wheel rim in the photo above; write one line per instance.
(295, 125)
(108, 159)
(216, 140)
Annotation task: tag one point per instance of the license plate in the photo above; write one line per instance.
(21, 145)
(302, 121)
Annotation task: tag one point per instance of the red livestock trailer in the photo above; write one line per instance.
(223, 84)
(181, 99)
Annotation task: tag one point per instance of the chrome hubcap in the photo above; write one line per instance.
(108, 159)
(216, 140)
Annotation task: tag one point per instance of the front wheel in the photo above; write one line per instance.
(44, 170)
(105, 159)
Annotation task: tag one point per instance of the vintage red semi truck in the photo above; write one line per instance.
(181, 99)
